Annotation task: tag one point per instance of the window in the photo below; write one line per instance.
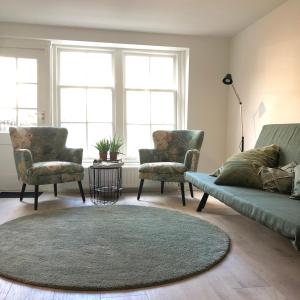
(150, 88)
(86, 87)
(130, 93)
(18, 91)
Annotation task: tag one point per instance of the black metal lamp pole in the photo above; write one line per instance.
(228, 81)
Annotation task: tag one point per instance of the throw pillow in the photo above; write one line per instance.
(242, 169)
(296, 184)
(278, 180)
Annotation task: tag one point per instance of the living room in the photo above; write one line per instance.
(81, 79)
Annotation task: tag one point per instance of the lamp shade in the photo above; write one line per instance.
(227, 79)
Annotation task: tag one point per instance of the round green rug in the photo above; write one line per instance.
(107, 248)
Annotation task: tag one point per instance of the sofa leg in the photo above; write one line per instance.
(36, 196)
(140, 189)
(162, 185)
(182, 193)
(202, 202)
(22, 192)
(81, 191)
(55, 189)
(191, 190)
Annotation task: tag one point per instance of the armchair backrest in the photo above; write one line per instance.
(176, 143)
(45, 143)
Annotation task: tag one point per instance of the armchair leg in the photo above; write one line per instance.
(81, 191)
(36, 196)
(140, 189)
(162, 185)
(191, 190)
(55, 189)
(182, 193)
(22, 192)
(202, 202)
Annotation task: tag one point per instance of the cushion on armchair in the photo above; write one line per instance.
(53, 168)
(163, 168)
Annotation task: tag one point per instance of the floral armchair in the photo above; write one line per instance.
(42, 158)
(175, 153)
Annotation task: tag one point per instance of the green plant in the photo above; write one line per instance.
(115, 144)
(103, 145)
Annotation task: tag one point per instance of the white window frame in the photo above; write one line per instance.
(118, 90)
(43, 111)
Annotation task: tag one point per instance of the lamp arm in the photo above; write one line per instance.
(241, 116)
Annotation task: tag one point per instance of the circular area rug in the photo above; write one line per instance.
(106, 248)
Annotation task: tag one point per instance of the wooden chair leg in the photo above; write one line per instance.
(36, 196)
(140, 189)
(55, 189)
(162, 185)
(22, 192)
(191, 190)
(203, 202)
(81, 191)
(182, 193)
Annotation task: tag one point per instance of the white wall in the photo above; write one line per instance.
(265, 63)
(207, 101)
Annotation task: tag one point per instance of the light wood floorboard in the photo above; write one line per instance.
(261, 265)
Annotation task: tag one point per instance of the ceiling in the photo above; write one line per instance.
(192, 17)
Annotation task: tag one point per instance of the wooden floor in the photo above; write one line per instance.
(261, 264)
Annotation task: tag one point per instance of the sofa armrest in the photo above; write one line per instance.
(71, 154)
(191, 159)
(23, 160)
(151, 155)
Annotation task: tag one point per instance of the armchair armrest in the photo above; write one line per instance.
(23, 160)
(151, 155)
(71, 154)
(191, 159)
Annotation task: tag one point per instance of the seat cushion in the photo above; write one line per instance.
(54, 168)
(163, 168)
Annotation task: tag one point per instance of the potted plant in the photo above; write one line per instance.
(115, 145)
(103, 147)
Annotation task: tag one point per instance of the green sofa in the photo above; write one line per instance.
(274, 210)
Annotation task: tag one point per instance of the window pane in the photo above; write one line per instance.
(73, 105)
(162, 72)
(27, 95)
(8, 69)
(138, 137)
(162, 108)
(7, 95)
(72, 68)
(27, 117)
(99, 105)
(7, 119)
(99, 69)
(76, 134)
(138, 107)
(95, 133)
(161, 127)
(137, 71)
(27, 70)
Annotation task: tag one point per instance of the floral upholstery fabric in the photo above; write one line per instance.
(42, 158)
(175, 152)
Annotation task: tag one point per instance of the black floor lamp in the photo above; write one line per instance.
(228, 81)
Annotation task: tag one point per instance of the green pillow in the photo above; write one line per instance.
(296, 184)
(242, 169)
(278, 180)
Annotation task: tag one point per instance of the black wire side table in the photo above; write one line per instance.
(105, 181)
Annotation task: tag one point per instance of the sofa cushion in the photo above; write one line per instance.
(296, 184)
(278, 179)
(242, 169)
(54, 168)
(163, 168)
